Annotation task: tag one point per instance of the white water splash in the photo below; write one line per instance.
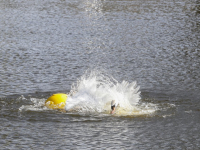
(94, 91)
(38, 105)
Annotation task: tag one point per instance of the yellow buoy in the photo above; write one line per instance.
(56, 101)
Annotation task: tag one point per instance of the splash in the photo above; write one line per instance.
(94, 91)
(37, 105)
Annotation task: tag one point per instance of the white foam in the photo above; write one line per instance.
(38, 105)
(95, 90)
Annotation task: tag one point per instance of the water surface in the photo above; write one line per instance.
(45, 46)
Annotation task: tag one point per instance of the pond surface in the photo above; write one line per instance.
(46, 46)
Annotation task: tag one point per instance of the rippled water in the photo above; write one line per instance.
(45, 46)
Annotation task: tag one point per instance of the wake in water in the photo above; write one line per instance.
(95, 90)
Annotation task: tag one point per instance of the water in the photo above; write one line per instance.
(47, 46)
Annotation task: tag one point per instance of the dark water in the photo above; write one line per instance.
(46, 45)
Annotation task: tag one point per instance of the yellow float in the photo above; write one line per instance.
(56, 101)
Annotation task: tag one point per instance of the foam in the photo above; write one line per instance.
(95, 90)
